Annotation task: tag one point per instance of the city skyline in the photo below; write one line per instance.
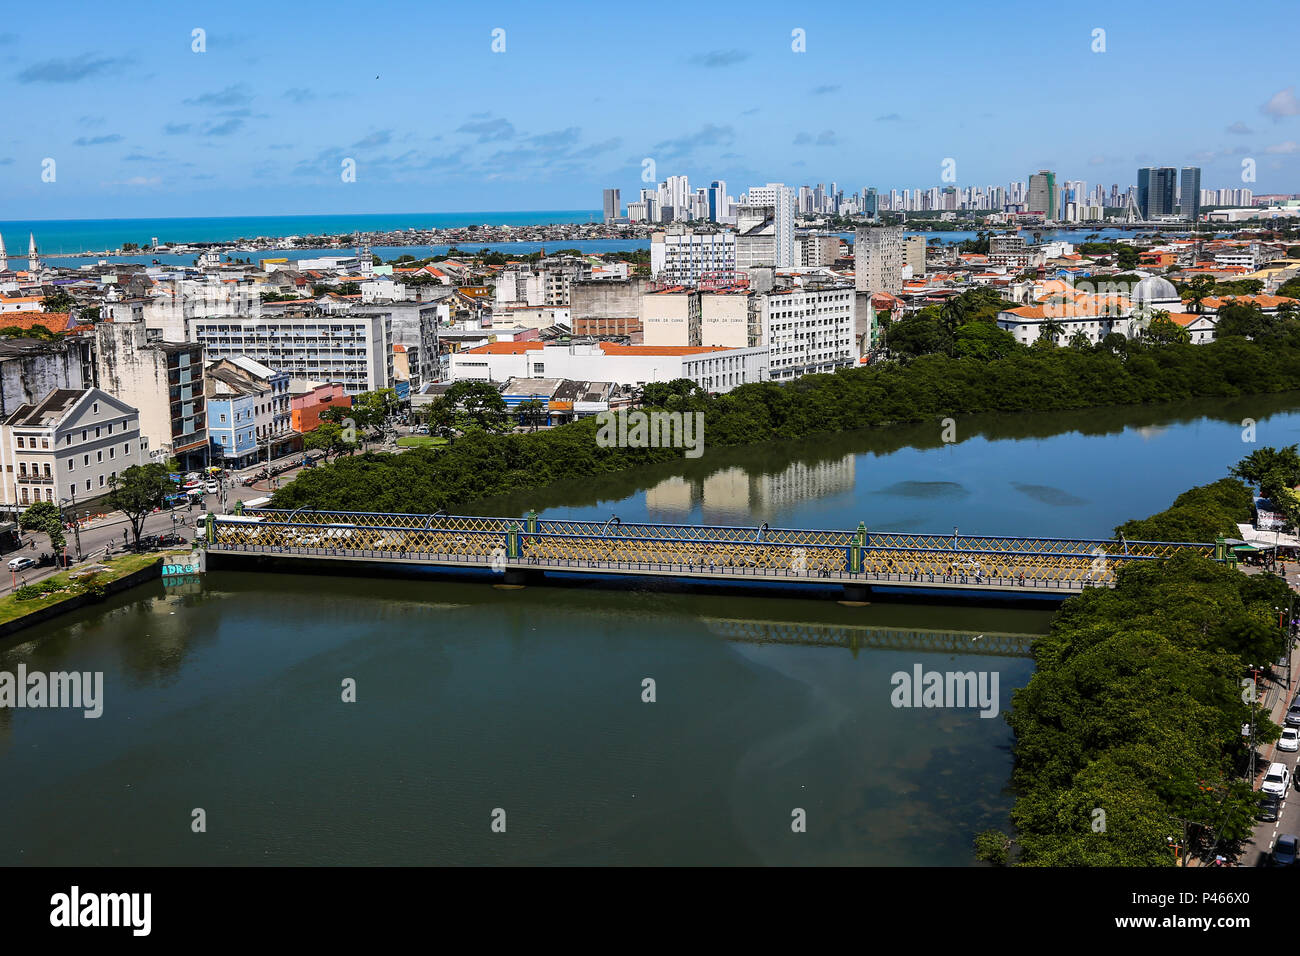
(139, 121)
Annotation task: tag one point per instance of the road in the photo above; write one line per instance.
(1257, 851)
(114, 530)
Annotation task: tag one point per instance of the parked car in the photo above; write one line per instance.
(1292, 718)
(1277, 780)
(212, 487)
(21, 564)
(1271, 808)
(1290, 740)
(1284, 850)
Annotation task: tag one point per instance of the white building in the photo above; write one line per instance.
(69, 445)
(716, 369)
(682, 256)
(808, 330)
(353, 349)
(781, 198)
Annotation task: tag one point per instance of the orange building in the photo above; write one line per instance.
(306, 408)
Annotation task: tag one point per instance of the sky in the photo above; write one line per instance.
(134, 114)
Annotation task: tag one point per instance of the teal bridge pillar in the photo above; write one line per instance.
(857, 559)
(531, 517)
(513, 542)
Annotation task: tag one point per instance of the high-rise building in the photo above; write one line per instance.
(878, 259)
(1189, 193)
(1044, 194)
(781, 198)
(1156, 190)
(719, 208)
(613, 205)
(871, 203)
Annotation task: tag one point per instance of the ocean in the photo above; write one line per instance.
(68, 237)
(64, 242)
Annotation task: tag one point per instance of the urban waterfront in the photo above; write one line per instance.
(224, 694)
(518, 248)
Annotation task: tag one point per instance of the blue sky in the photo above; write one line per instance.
(138, 124)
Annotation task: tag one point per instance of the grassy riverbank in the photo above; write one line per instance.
(75, 582)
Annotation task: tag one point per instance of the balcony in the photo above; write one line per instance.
(35, 479)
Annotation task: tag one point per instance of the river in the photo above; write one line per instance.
(225, 695)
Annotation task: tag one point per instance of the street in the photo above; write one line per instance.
(109, 531)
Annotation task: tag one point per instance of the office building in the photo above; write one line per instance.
(1189, 193)
(613, 205)
(353, 349)
(1156, 191)
(683, 256)
(1044, 197)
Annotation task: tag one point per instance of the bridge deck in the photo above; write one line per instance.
(1054, 566)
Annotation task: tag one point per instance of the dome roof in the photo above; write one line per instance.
(1154, 289)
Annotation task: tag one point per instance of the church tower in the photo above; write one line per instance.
(4, 256)
(33, 257)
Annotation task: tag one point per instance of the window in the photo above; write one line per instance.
(85, 460)
(72, 464)
(47, 469)
(223, 416)
(126, 448)
(110, 428)
(72, 490)
(96, 431)
(84, 433)
(87, 484)
(95, 407)
(49, 494)
(101, 481)
(24, 496)
(67, 440)
(111, 450)
(99, 456)
(21, 442)
(45, 442)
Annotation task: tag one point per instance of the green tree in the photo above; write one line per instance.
(478, 405)
(58, 301)
(1162, 330)
(331, 438)
(1050, 331)
(983, 341)
(138, 491)
(532, 413)
(44, 517)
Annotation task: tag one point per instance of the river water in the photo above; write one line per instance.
(226, 695)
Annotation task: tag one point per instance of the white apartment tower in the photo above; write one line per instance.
(781, 198)
(878, 259)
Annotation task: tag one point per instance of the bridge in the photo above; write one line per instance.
(525, 549)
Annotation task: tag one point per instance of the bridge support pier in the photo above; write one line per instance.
(522, 577)
(857, 592)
